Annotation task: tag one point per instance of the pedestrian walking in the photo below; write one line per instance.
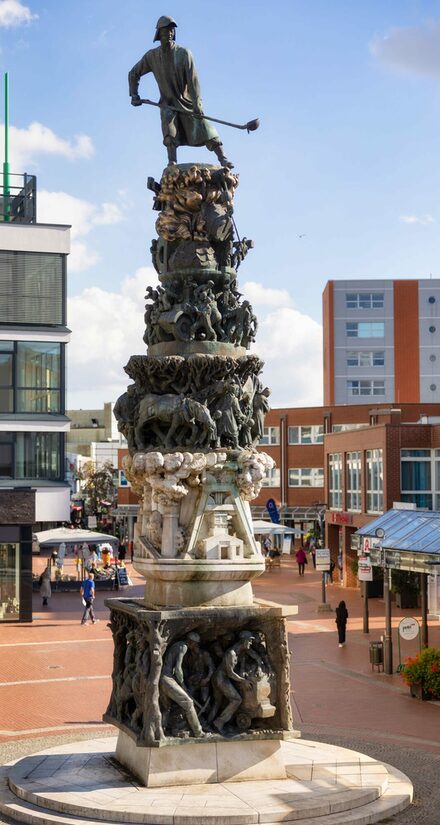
(88, 597)
(267, 546)
(312, 551)
(301, 560)
(45, 586)
(341, 622)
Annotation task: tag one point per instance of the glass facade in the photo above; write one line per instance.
(313, 434)
(9, 582)
(31, 455)
(306, 477)
(34, 368)
(374, 471)
(420, 477)
(354, 481)
(335, 481)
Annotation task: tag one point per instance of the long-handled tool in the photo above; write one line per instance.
(250, 126)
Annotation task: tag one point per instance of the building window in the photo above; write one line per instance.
(313, 434)
(34, 369)
(416, 474)
(354, 481)
(31, 455)
(272, 478)
(366, 387)
(31, 288)
(370, 358)
(365, 329)
(342, 428)
(335, 481)
(374, 466)
(306, 477)
(271, 435)
(364, 300)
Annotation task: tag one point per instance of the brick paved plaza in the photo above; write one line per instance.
(55, 681)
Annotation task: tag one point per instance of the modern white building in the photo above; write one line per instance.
(33, 339)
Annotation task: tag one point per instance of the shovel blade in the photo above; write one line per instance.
(253, 125)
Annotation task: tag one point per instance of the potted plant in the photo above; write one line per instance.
(422, 673)
(406, 586)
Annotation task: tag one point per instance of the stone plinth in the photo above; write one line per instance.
(176, 673)
(202, 763)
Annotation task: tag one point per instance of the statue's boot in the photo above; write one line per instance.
(218, 150)
(172, 154)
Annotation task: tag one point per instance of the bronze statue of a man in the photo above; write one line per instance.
(175, 73)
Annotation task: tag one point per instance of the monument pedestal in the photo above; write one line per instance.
(200, 763)
(178, 688)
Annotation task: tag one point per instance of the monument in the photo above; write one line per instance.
(197, 662)
(201, 684)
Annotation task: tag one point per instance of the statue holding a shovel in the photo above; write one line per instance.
(181, 109)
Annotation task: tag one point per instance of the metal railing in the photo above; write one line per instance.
(18, 198)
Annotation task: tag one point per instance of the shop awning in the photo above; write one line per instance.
(411, 539)
(52, 538)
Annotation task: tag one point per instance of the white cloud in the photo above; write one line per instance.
(13, 13)
(412, 49)
(26, 144)
(107, 327)
(422, 219)
(290, 344)
(260, 295)
(59, 207)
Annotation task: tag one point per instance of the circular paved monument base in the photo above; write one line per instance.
(81, 781)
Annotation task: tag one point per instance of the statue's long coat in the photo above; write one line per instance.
(179, 86)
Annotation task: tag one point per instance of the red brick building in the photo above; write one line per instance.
(295, 439)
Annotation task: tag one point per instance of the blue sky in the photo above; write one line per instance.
(347, 154)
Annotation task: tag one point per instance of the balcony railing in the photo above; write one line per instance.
(18, 198)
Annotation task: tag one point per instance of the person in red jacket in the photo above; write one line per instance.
(301, 559)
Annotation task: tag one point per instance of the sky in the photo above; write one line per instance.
(342, 179)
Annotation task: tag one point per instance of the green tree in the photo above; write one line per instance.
(98, 487)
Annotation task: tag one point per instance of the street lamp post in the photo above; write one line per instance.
(388, 640)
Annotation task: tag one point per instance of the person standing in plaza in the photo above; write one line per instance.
(45, 586)
(88, 595)
(341, 622)
(301, 560)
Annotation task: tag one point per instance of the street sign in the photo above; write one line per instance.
(322, 557)
(365, 569)
(409, 628)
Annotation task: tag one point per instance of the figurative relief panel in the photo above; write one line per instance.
(195, 684)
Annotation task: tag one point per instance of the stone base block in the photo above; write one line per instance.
(201, 763)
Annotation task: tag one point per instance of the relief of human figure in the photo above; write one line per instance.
(225, 679)
(172, 684)
(176, 76)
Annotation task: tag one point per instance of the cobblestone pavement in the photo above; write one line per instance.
(55, 683)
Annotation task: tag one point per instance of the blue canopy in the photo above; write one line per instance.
(411, 539)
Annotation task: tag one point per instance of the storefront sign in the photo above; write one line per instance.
(341, 518)
(365, 570)
(409, 629)
(322, 556)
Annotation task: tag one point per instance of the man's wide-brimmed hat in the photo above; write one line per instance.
(161, 23)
